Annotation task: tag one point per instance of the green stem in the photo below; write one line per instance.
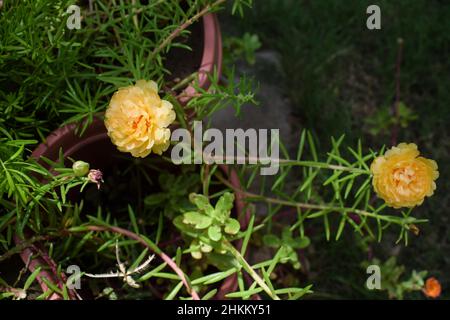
(396, 220)
(392, 219)
(184, 82)
(286, 162)
(185, 25)
(180, 113)
(323, 165)
(250, 271)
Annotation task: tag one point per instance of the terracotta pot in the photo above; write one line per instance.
(95, 146)
(212, 55)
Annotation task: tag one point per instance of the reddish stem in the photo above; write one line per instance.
(34, 257)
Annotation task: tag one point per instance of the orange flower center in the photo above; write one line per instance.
(404, 176)
(136, 122)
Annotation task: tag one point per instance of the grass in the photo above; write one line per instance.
(339, 75)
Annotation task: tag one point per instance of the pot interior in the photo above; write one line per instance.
(127, 180)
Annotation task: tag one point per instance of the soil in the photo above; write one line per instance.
(121, 187)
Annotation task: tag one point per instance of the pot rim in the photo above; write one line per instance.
(212, 56)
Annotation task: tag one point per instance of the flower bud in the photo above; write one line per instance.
(80, 168)
(96, 176)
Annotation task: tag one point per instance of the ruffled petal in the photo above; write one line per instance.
(137, 119)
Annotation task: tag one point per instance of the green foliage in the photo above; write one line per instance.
(340, 78)
(288, 245)
(391, 278)
(222, 93)
(51, 75)
(237, 47)
(18, 293)
(208, 227)
(332, 196)
(239, 5)
(382, 120)
(37, 54)
(22, 191)
(174, 193)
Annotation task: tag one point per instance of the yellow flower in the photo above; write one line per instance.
(137, 119)
(402, 178)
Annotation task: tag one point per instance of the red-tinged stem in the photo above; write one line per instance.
(34, 257)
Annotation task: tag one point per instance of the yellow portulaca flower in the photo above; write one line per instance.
(402, 178)
(137, 119)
